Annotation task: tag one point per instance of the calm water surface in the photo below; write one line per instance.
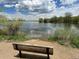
(37, 30)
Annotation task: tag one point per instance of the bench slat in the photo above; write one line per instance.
(30, 48)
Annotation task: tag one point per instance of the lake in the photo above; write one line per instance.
(43, 30)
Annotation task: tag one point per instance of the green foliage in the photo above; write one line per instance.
(68, 18)
(53, 19)
(40, 20)
(14, 38)
(3, 31)
(52, 38)
(3, 20)
(45, 20)
(65, 37)
(75, 41)
(75, 20)
(18, 37)
(10, 30)
(2, 37)
(13, 27)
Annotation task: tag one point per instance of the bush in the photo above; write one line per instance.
(75, 42)
(14, 27)
(14, 37)
(3, 37)
(62, 36)
(17, 37)
(3, 20)
(3, 31)
(66, 37)
(52, 38)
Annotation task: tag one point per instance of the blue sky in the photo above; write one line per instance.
(39, 8)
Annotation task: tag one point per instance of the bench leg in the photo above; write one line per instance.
(48, 57)
(20, 53)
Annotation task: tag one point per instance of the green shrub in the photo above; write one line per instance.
(14, 38)
(63, 36)
(52, 38)
(66, 37)
(3, 20)
(18, 37)
(13, 27)
(3, 31)
(75, 42)
(4, 37)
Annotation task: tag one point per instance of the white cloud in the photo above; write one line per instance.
(9, 6)
(41, 8)
(68, 1)
(40, 5)
(51, 5)
(62, 10)
(56, 11)
(17, 5)
(31, 2)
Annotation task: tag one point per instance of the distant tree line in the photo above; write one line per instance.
(68, 18)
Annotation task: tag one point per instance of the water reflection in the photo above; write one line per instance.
(35, 29)
(76, 25)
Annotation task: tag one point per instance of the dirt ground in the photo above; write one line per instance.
(60, 52)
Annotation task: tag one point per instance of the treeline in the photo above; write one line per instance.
(68, 18)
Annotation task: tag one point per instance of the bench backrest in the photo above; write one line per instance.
(30, 48)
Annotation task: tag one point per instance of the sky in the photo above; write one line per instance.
(34, 9)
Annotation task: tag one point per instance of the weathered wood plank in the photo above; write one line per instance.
(31, 48)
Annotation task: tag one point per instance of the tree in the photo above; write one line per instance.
(67, 18)
(45, 20)
(53, 19)
(60, 19)
(41, 20)
(76, 20)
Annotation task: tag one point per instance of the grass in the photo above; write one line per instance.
(65, 37)
(75, 42)
(14, 38)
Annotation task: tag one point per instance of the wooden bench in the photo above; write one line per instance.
(30, 48)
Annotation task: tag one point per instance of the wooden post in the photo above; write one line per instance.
(20, 53)
(47, 49)
(16, 46)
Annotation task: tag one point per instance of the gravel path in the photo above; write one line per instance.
(60, 52)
